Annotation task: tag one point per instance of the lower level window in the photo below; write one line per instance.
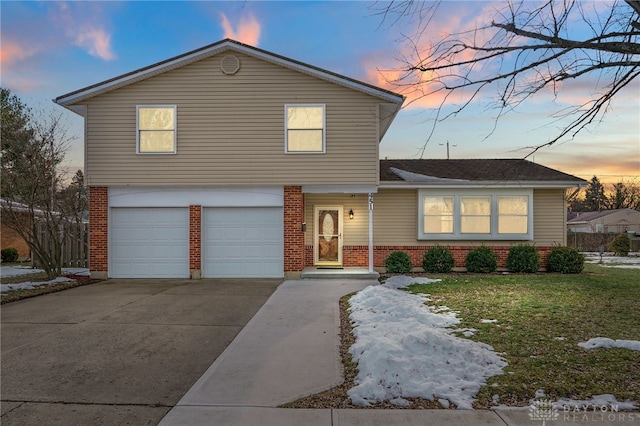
(513, 215)
(474, 215)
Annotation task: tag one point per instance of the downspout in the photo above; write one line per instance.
(370, 232)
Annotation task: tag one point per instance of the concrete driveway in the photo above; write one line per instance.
(117, 352)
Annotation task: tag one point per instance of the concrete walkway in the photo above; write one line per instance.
(290, 349)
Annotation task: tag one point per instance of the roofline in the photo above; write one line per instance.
(213, 49)
(480, 184)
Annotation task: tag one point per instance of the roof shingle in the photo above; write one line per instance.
(509, 170)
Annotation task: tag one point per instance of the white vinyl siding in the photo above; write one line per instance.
(156, 129)
(149, 243)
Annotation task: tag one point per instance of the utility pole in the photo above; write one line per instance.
(447, 148)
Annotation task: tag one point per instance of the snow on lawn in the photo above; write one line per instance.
(7, 287)
(605, 403)
(610, 261)
(406, 349)
(605, 342)
(15, 271)
(599, 403)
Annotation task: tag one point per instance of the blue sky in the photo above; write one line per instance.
(51, 48)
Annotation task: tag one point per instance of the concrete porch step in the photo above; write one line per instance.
(311, 272)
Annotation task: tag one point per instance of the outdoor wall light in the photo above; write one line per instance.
(351, 214)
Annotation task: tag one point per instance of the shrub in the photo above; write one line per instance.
(523, 258)
(566, 260)
(482, 259)
(438, 260)
(9, 255)
(398, 262)
(620, 245)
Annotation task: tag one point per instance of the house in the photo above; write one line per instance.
(608, 221)
(231, 161)
(10, 238)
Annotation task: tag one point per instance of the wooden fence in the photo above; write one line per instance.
(75, 244)
(586, 241)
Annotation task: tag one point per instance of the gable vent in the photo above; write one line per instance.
(230, 64)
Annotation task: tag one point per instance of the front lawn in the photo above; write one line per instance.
(535, 321)
(541, 319)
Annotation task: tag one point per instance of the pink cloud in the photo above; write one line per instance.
(13, 51)
(14, 62)
(83, 25)
(97, 42)
(247, 31)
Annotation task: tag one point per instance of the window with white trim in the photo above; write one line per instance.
(156, 129)
(304, 128)
(465, 214)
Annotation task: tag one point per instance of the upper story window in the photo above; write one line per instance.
(502, 214)
(156, 129)
(304, 128)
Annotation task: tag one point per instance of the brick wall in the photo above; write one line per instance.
(98, 229)
(195, 229)
(11, 239)
(294, 250)
(358, 256)
(459, 254)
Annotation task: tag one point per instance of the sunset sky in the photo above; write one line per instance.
(52, 48)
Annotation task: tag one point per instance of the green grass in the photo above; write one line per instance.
(532, 312)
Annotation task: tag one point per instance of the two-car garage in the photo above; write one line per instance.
(238, 239)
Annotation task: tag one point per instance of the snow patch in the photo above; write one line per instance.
(405, 349)
(403, 281)
(17, 286)
(16, 271)
(466, 332)
(599, 401)
(610, 261)
(417, 177)
(605, 342)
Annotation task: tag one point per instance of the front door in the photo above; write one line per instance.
(328, 236)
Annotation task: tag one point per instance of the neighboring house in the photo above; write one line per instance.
(10, 238)
(231, 161)
(607, 221)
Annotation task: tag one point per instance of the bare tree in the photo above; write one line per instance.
(32, 149)
(527, 47)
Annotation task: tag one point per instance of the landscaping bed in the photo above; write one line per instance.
(24, 293)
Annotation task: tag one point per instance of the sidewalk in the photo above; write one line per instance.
(290, 349)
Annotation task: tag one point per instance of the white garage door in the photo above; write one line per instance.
(149, 243)
(243, 242)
